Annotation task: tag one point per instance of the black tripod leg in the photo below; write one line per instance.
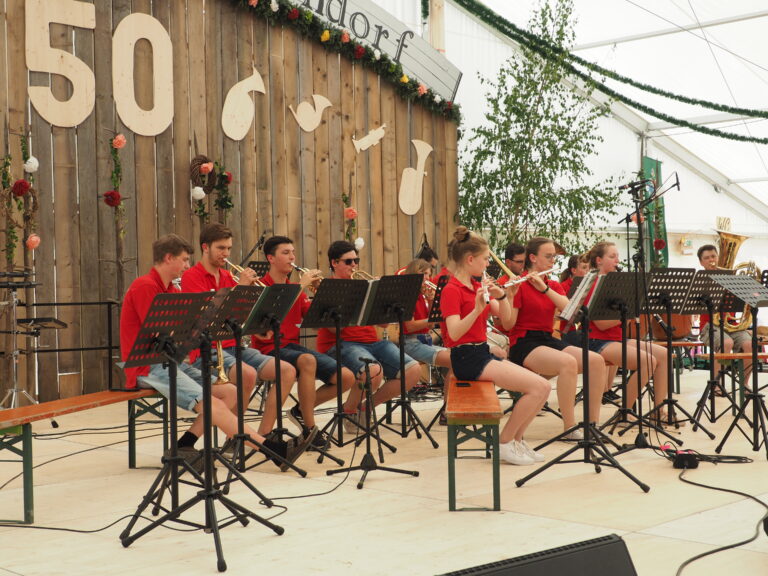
(436, 417)
(549, 464)
(605, 455)
(740, 414)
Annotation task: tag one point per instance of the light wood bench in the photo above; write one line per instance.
(473, 411)
(16, 426)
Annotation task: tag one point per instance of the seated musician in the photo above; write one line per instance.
(532, 344)
(171, 257)
(605, 338)
(363, 342)
(310, 365)
(210, 274)
(514, 258)
(465, 312)
(578, 266)
(736, 341)
(418, 340)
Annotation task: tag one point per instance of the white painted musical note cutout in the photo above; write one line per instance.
(307, 117)
(412, 180)
(369, 140)
(238, 112)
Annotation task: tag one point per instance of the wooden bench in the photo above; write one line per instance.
(16, 426)
(473, 411)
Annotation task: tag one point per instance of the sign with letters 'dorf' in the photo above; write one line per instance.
(374, 26)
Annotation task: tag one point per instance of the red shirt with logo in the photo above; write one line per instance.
(535, 311)
(291, 325)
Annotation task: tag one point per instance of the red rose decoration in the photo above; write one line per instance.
(112, 198)
(293, 14)
(228, 176)
(449, 105)
(659, 244)
(20, 188)
(359, 51)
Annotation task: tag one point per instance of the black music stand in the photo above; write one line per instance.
(230, 315)
(617, 291)
(261, 267)
(268, 314)
(667, 295)
(177, 318)
(337, 303)
(395, 299)
(706, 295)
(755, 295)
(593, 438)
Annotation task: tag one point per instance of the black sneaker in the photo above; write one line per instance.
(294, 415)
(190, 455)
(320, 441)
(296, 447)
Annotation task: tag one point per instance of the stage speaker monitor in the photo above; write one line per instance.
(604, 556)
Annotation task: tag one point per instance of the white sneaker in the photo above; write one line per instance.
(513, 453)
(576, 435)
(537, 457)
(357, 426)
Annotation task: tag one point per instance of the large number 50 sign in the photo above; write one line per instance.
(42, 57)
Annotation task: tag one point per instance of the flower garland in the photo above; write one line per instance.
(19, 196)
(338, 40)
(568, 61)
(210, 177)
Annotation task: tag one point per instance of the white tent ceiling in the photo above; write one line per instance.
(704, 49)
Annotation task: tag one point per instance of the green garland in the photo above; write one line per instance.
(337, 40)
(565, 59)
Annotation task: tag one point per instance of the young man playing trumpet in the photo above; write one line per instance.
(310, 365)
(363, 342)
(171, 258)
(210, 274)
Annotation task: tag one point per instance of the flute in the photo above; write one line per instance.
(485, 288)
(525, 278)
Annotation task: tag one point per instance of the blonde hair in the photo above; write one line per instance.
(598, 251)
(417, 266)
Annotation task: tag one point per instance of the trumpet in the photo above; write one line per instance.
(239, 270)
(526, 278)
(302, 271)
(362, 275)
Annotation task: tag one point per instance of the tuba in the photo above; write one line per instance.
(728, 246)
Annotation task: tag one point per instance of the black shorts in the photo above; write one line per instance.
(468, 360)
(532, 340)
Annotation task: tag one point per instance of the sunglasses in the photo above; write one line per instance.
(350, 261)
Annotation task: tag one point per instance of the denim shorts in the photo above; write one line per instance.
(251, 356)
(382, 352)
(326, 366)
(189, 384)
(597, 345)
(532, 340)
(418, 349)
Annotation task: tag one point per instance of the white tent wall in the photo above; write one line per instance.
(691, 212)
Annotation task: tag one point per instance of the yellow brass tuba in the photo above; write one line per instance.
(729, 244)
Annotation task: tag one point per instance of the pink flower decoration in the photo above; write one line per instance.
(359, 51)
(206, 168)
(659, 244)
(350, 213)
(422, 89)
(344, 37)
(634, 218)
(118, 142)
(33, 241)
(20, 188)
(112, 198)
(228, 176)
(253, 3)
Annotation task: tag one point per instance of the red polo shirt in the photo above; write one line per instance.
(443, 272)
(289, 328)
(613, 334)
(535, 311)
(458, 299)
(198, 279)
(420, 312)
(136, 304)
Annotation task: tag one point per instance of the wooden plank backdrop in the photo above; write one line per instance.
(285, 180)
